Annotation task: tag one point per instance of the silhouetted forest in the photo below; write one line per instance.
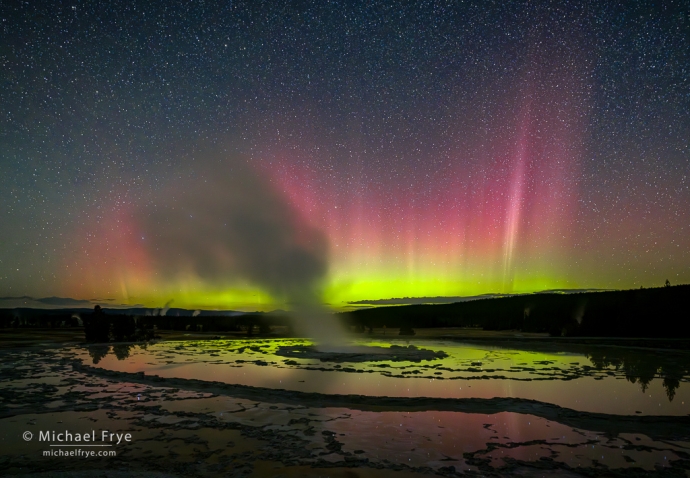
(26, 317)
(651, 313)
(662, 312)
(104, 325)
(100, 327)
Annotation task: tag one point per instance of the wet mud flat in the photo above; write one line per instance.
(200, 427)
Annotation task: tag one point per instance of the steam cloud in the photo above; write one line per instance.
(233, 224)
(166, 308)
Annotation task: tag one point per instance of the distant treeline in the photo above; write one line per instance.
(25, 317)
(101, 327)
(246, 322)
(657, 312)
(44, 318)
(111, 325)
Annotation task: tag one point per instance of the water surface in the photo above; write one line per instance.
(610, 380)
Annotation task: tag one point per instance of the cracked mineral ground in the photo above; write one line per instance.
(280, 407)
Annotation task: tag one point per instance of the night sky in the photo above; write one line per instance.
(426, 148)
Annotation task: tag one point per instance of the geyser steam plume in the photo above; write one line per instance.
(231, 224)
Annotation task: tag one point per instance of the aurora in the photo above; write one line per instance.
(438, 156)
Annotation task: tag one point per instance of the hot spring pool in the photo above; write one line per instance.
(596, 379)
(266, 407)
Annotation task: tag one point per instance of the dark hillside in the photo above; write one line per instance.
(658, 312)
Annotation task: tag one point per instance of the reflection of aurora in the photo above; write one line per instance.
(496, 432)
(461, 362)
(643, 367)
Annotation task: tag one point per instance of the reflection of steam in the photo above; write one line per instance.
(233, 225)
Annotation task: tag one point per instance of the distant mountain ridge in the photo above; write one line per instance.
(67, 304)
(455, 299)
(143, 311)
(80, 306)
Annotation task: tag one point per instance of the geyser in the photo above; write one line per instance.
(230, 224)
